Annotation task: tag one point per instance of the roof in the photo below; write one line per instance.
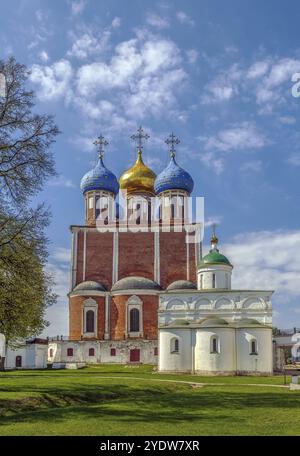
(182, 285)
(212, 322)
(89, 285)
(173, 177)
(214, 257)
(135, 283)
(99, 178)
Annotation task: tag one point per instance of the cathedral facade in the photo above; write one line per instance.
(141, 291)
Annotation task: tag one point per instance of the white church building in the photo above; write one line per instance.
(213, 329)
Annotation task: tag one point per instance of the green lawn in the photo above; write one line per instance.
(121, 400)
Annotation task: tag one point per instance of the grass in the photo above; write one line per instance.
(119, 400)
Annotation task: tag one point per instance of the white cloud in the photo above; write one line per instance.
(238, 137)
(62, 255)
(61, 181)
(88, 45)
(253, 166)
(184, 18)
(266, 260)
(116, 22)
(214, 220)
(157, 21)
(53, 81)
(144, 77)
(43, 55)
(294, 159)
(192, 55)
(264, 80)
(288, 120)
(78, 6)
(258, 69)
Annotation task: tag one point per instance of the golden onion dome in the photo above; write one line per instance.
(139, 178)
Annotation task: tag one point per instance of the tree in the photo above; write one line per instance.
(26, 161)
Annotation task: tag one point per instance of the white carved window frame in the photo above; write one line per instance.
(89, 304)
(134, 302)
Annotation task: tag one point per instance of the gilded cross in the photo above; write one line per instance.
(139, 137)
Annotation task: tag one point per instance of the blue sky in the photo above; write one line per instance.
(216, 73)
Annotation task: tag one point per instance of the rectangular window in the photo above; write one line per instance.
(112, 352)
(155, 351)
(91, 202)
(70, 352)
(201, 280)
(214, 281)
(91, 352)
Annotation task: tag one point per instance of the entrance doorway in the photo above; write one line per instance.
(18, 361)
(135, 355)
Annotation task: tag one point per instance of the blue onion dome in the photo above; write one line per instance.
(100, 178)
(173, 177)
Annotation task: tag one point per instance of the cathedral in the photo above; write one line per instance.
(141, 291)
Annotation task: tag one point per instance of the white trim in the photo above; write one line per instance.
(136, 291)
(89, 304)
(187, 261)
(156, 257)
(87, 293)
(115, 265)
(74, 273)
(84, 256)
(106, 330)
(134, 302)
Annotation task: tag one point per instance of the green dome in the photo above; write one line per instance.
(214, 257)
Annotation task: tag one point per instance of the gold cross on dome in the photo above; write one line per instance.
(172, 140)
(139, 137)
(101, 143)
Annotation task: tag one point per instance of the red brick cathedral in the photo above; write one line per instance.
(124, 257)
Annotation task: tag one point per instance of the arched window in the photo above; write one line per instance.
(253, 347)
(91, 352)
(18, 361)
(90, 321)
(201, 280)
(174, 345)
(70, 352)
(134, 320)
(214, 344)
(51, 352)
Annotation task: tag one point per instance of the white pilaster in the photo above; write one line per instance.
(115, 266)
(84, 255)
(187, 261)
(74, 262)
(156, 257)
(106, 330)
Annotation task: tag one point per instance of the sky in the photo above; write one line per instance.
(217, 74)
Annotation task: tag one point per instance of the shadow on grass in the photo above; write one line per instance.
(126, 403)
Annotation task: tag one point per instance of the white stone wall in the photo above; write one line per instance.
(221, 362)
(222, 277)
(231, 305)
(233, 356)
(102, 351)
(181, 361)
(263, 361)
(34, 356)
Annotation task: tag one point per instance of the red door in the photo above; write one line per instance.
(135, 355)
